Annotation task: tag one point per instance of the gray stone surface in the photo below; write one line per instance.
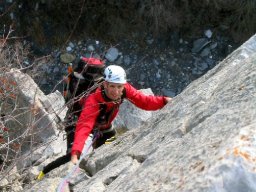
(204, 140)
(67, 57)
(34, 120)
(130, 116)
(35, 109)
(112, 54)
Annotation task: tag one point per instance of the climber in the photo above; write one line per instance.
(101, 108)
(84, 79)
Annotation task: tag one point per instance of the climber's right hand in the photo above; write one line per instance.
(74, 158)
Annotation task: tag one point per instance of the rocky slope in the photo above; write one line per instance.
(203, 141)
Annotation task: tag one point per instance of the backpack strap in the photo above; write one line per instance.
(124, 95)
(104, 116)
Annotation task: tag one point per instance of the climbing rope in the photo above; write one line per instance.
(65, 180)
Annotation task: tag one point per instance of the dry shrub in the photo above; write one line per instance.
(120, 18)
(115, 19)
(56, 21)
(8, 95)
(236, 17)
(163, 15)
(241, 18)
(37, 33)
(12, 138)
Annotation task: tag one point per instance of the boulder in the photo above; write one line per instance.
(130, 116)
(34, 121)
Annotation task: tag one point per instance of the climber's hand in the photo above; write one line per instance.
(74, 159)
(168, 99)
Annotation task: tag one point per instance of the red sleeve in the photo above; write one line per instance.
(85, 124)
(146, 102)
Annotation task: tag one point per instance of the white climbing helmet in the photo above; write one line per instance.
(115, 74)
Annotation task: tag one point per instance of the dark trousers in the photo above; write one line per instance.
(103, 138)
(70, 139)
(56, 163)
(70, 131)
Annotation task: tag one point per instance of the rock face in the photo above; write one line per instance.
(204, 140)
(33, 108)
(33, 119)
(130, 116)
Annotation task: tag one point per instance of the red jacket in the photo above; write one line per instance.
(92, 106)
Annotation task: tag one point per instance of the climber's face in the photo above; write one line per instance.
(113, 91)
